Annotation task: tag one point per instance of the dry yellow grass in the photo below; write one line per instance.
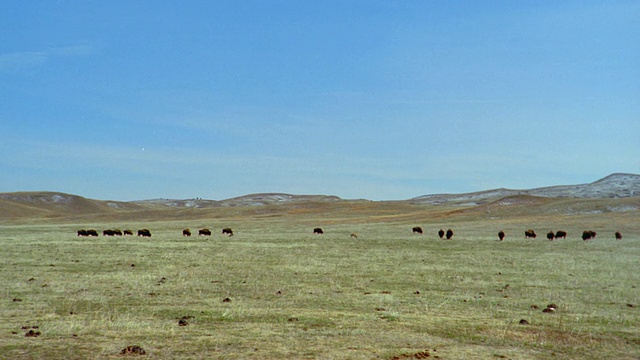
(387, 294)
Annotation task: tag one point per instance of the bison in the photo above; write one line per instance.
(227, 231)
(449, 234)
(318, 231)
(82, 233)
(128, 232)
(108, 232)
(618, 235)
(144, 233)
(588, 235)
(530, 234)
(354, 235)
(501, 235)
(551, 235)
(186, 232)
(204, 232)
(441, 233)
(417, 230)
(92, 232)
(561, 234)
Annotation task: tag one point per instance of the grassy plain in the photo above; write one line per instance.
(275, 290)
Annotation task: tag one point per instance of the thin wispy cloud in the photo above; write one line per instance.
(18, 61)
(22, 60)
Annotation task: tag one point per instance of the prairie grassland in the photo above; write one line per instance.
(275, 290)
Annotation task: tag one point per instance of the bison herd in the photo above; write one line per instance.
(114, 232)
(146, 232)
(528, 234)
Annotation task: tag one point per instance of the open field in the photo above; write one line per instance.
(291, 294)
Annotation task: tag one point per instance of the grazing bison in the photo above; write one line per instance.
(82, 233)
(144, 233)
(588, 235)
(117, 232)
(530, 234)
(92, 232)
(618, 235)
(186, 232)
(441, 233)
(501, 235)
(108, 233)
(204, 232)
(561, 234)
(227, 231)
(551, 235)
(318, 231)
(449, 234)
(417, 230)
(354, 235)
(128, 232)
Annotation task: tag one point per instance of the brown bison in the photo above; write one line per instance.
(127, 232)
(530, 234)
(551, 235)
(449, 234)
(561, 234)
(354, 235)
(186, 232)
(204, 232)
(417, 230)
(501, 235)
(91, 232)
(144, 233)
(588, 235)
(227, 231)
(618, 235)
(441, 233)
(318, 231)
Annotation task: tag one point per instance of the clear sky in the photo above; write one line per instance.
(382, 100)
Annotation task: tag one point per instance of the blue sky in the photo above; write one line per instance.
(381, 100)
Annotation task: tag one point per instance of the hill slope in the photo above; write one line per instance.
(612, 186)
(616, 192)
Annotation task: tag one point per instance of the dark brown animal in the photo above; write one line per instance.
(501, 235)
(530, 234)
(449, 234)
(227, 231)
(441, 233)
(144, 233)
(417, 230)
(107, 233)
(128, 232)
(204, 232)
(618, 235)
(117, 232)
(186, 232)
(551, 235)
(588, 235)
(82, 233)
(92, 232)
(561, 234)
(318, 231)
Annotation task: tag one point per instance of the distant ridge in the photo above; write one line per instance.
(617, 185)
(25, 205)
(246, 200)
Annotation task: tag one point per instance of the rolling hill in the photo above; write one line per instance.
(614, 193)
